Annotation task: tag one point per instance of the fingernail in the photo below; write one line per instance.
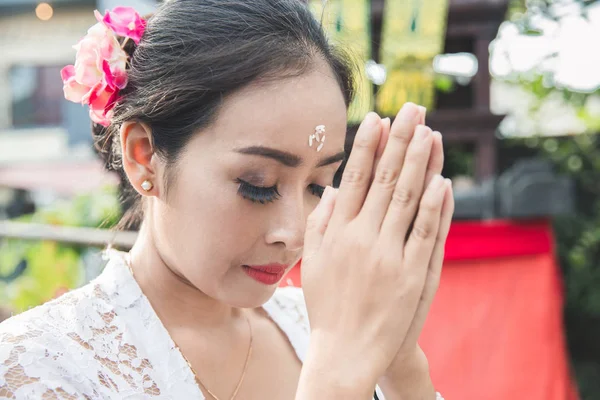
(422, 132)
(448, 182)
(371, 119)
(437, 134)
(370, 126)
(409, 112)
(386, 121)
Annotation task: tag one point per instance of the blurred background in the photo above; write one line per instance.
(514, 87)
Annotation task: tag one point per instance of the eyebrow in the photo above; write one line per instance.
(341, 156)
(288, 159)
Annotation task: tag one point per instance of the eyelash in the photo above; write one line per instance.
(264, 195)
(317, 190)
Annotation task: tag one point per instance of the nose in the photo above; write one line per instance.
(288, 225)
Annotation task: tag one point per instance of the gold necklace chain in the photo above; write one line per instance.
(237, 388)
(198, 381)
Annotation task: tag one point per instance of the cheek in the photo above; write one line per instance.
(207, 221)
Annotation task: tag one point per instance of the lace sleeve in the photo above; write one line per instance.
(101, 341)
(30, 370)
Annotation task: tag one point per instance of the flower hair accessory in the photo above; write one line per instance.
(100, 69)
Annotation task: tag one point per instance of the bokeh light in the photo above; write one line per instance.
(44, 11)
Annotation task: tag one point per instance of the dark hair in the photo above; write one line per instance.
(196, 52)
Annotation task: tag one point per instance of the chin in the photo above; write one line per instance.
(254, 298)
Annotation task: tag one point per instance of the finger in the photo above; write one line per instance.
(436, 159)
(420, 244)
(391, 164)
(437, 257)
(385, 134)
(317, 222)
(356, 177)
(434, 272)
(408, 190)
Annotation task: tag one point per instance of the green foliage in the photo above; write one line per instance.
(52, 267)
(444, 83)
(521, 11)
(89, 210)
(459, 160)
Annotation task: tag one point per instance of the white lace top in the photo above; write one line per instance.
(104, 341)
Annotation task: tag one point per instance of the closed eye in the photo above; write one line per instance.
(257, 194)
(265, 195)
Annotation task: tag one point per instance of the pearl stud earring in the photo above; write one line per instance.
(147, 185)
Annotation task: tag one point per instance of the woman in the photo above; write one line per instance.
(229, 119)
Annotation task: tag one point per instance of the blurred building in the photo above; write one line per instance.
(36, 41)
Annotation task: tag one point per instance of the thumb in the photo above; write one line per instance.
(316, 224)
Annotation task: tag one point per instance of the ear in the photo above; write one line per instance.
(138, 150)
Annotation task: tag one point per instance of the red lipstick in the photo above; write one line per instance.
(266, 274)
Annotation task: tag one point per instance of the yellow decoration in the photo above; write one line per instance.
(348, 25)
(413, 33)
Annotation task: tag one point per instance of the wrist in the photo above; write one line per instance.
(408, 378)
(332, 370)
(319, 380)
(409, 366)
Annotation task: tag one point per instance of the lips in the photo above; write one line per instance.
(266, 274)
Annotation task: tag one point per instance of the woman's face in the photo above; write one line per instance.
(236, 210)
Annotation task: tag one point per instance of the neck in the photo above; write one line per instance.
(176, 301)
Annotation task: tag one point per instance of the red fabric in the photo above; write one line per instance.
(498, 238)
(495, 329)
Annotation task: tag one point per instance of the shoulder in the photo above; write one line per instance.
(288, 309)
(43, 351)
(48, 321)
(73, 314)
(290, 295)
(290, 301)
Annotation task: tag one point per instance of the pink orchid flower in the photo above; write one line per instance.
(100, 69)
(98, 74)
(125, 22)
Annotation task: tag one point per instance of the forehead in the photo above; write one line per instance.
(283, 114)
